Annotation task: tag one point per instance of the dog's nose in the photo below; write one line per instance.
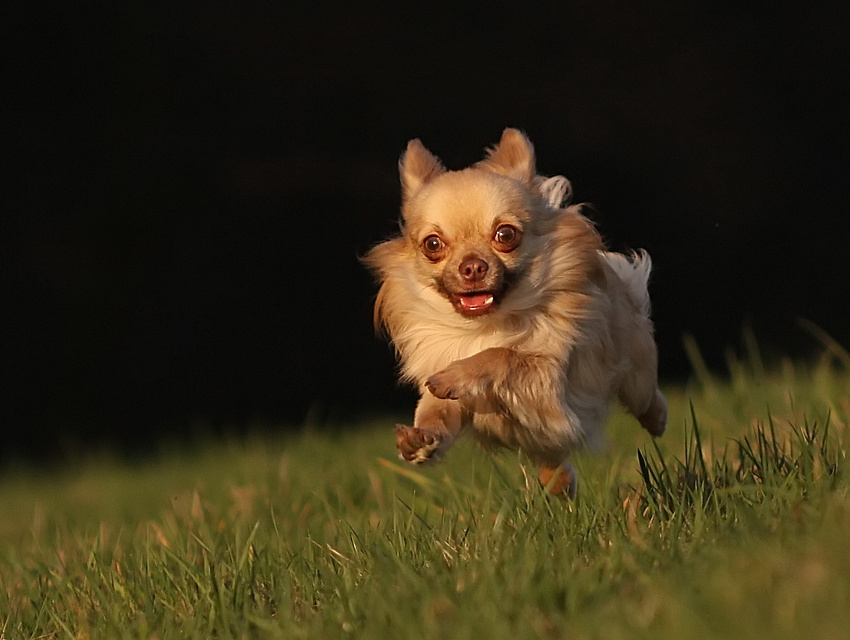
(473, 269)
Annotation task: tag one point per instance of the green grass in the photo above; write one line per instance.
(734, 524)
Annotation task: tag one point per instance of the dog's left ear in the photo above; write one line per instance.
(512, 157)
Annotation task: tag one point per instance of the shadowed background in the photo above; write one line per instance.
(188, 188)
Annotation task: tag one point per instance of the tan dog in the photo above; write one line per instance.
(508, 313)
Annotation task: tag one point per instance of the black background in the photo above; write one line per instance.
(188, 187)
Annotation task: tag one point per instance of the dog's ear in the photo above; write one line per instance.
(417, 167)
(512, 157)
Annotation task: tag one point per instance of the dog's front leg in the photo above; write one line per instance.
(495, 378)
(526, 386)
(435, 426)
(475, 377)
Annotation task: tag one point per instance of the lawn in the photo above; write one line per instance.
(735, 525)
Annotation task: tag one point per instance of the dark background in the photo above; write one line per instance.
(187, 189)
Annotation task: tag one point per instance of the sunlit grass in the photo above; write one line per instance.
(734, 523)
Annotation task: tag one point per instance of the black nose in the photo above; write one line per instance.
(473, 269)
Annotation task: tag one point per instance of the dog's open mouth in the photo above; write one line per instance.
(476, 303)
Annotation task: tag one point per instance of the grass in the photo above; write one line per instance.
(734, 524)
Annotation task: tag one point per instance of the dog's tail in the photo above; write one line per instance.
(634, 271)
(556, 191)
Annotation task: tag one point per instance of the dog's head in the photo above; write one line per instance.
(473, 232)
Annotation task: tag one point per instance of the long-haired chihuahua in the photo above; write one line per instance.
(509, 315)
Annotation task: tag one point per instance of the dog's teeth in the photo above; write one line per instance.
(477, 300)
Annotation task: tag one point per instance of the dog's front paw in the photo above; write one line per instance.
(452, 383)
(417, 445)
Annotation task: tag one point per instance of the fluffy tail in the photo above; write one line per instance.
(557, 190)
(634, 272)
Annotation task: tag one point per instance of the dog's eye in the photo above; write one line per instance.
(507, 238)
(433, 247)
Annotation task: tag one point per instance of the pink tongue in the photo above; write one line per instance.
(476, 300)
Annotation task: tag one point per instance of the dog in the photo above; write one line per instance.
(509, 315)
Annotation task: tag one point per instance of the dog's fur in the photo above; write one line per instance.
(508, 313)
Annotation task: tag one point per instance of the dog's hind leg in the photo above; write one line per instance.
(639, 388)
(559, 481)
(650, 409)
(654, 419)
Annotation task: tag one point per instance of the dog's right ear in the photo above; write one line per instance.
(512, 157)
(417, 167)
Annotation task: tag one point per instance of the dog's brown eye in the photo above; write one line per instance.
(433, 247)
(507, 237)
